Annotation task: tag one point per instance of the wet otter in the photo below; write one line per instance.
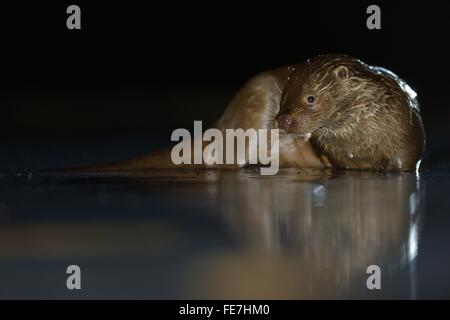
(357, 116)
(333, 111)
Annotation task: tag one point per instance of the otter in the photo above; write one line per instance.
(357, 116)
(333, 111)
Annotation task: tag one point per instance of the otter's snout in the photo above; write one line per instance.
(285, 121)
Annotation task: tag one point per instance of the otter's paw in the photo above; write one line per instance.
(326, 162)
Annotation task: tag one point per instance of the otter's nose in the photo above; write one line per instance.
(285, 121)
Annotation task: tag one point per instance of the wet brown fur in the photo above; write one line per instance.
(363, 118)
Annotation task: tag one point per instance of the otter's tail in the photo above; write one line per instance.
(159, 160)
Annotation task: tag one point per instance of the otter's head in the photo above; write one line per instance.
(315, 93)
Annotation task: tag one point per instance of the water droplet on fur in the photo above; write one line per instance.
(307, 136)
(398, 162)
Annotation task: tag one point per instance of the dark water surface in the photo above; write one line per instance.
(221, 234)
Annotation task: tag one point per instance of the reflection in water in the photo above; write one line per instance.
(312, 236)
(213, 234)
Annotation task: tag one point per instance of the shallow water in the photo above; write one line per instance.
(225, 234)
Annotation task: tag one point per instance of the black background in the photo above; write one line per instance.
(137, 68)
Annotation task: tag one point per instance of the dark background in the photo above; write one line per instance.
(137, 71)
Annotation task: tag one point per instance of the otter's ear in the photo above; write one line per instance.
(342, 73)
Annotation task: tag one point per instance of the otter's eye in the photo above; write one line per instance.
(310, 100)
